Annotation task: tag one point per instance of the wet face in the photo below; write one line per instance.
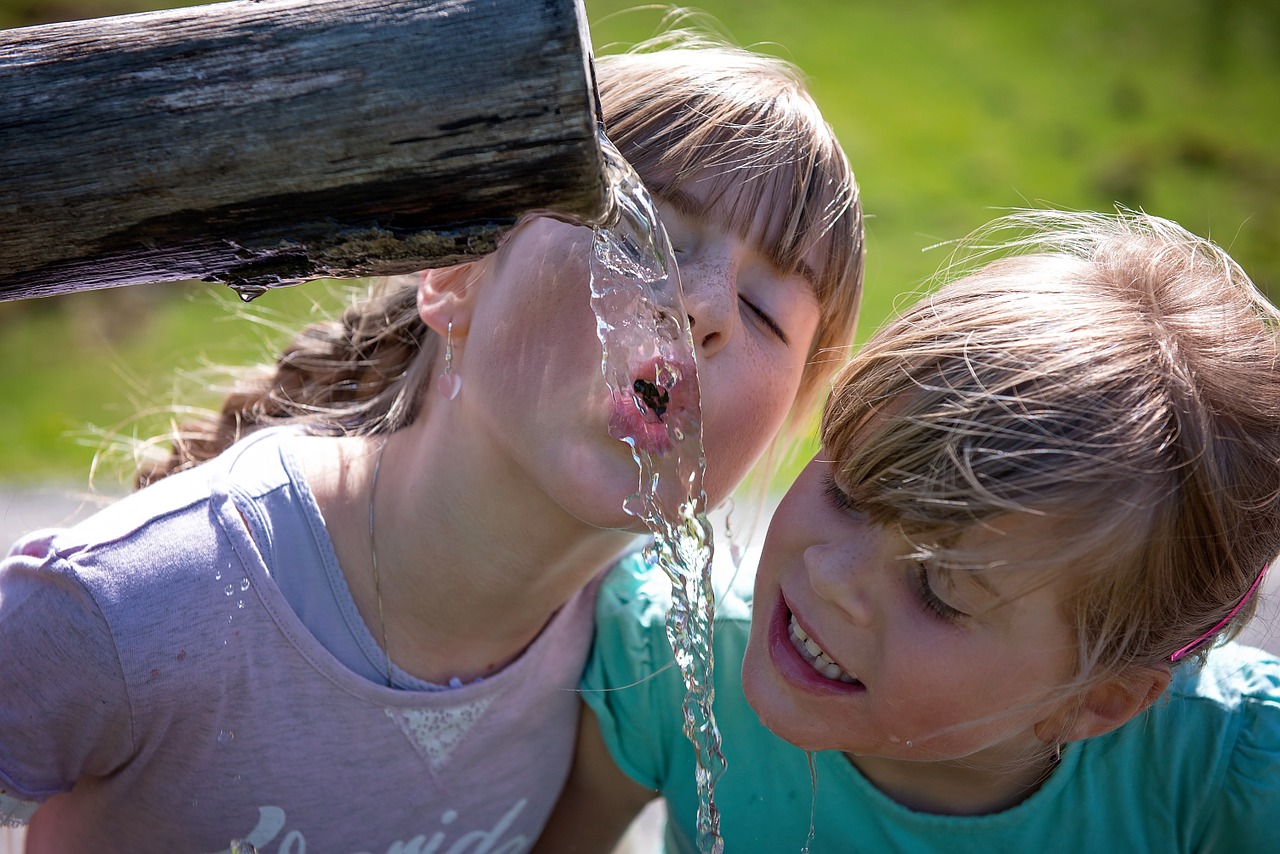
(856, 646)
(531, 358)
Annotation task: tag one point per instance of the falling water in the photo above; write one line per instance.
(813, 802)
(648, 363)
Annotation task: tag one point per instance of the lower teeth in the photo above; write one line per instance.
(819, 661)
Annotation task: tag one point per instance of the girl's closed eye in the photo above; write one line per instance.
(930, 599)
(764, 318)
(837, 497)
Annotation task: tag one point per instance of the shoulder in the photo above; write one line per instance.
(145, 564)
(1234, 693)
(638, 591)
(633, 589)
(632, 607)
(1232, 678)
(160, 524)
(1241, 686)
(1209, 751)
(1236, 690)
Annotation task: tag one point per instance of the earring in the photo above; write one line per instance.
(449, 383)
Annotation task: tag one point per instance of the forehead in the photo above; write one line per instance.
(753, 214)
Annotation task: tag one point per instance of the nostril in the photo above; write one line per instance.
(692, 322)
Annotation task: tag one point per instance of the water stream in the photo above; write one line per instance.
(648, 363)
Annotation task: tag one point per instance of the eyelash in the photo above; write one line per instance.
(766, 320)
(837, 497)
(930, 599)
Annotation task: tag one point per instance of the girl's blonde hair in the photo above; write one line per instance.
(1118, 377)
(692, 109)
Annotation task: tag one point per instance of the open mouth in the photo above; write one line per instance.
(816, 655)
(660, 409)
(654, 397)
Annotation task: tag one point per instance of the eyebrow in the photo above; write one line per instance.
(691, 206)
(686, 205)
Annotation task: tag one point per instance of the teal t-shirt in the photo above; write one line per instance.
(1199, 771)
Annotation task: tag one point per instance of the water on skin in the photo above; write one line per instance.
(641, 320)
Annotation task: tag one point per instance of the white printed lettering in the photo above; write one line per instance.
(271, 821)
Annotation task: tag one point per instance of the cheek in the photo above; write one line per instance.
(734, 438)
(953, 697)
(744, 408)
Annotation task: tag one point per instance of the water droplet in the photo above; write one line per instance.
(240, 604)
(244, 584)
(894, 739)
(217, 576)
(230, 590)
(910, 744)
(230, 617)
(248, 292)
(226, 736)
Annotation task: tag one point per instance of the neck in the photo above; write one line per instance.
(968, 786)
(467, 582)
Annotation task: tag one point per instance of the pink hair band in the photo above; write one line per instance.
(1196, 644)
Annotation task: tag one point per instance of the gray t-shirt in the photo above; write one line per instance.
(160, 693)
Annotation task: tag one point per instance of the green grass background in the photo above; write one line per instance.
(951, 112)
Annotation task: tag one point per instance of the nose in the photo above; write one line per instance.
(843, 578)
(710, 282)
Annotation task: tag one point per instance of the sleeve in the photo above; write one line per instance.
(1243, 818)
(64, 710)
(631, 680)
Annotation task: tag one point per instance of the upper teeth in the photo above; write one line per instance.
(816, 655)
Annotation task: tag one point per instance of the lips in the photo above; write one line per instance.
(802, 661)
(657, 409)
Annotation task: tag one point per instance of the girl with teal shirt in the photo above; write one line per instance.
(989, 610)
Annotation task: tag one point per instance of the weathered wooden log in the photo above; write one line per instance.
(267, 142)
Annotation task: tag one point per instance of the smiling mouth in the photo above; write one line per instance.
(815, 655)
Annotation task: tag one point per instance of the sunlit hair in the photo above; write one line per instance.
(685, 109)
(1117, 377)
(698, 109)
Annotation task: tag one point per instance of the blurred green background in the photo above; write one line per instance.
(951, 112)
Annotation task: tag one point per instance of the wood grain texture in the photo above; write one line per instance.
(266, 142)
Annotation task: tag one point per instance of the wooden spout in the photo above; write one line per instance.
(267, 142)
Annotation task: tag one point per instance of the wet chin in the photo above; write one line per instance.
(774, 707)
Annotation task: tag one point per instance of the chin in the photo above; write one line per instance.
(769, 700)
(783, 707)
(806, 732)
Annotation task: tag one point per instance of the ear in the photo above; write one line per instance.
(447, 294)
(1107, 705)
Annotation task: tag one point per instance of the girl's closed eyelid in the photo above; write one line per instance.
(837, 497)
(768, 321)
(930, 599)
